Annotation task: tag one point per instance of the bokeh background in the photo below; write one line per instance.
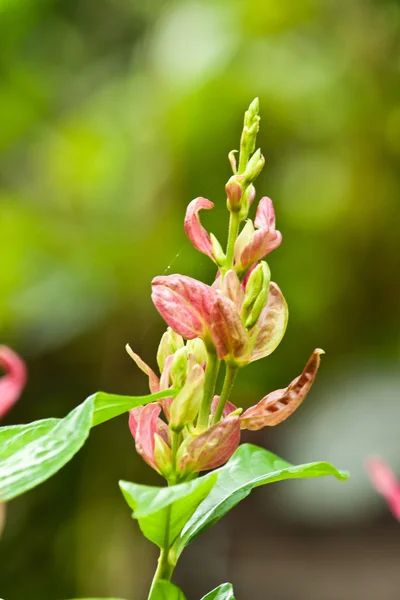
(114, 114)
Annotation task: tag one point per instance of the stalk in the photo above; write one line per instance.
(212, 368)
(230, 376)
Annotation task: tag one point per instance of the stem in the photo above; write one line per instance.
(174, 449)
(234, 223)
(230, 376)
(212, 369)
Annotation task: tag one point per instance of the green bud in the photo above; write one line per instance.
(256, 295)
(162, 456)
(178, 368)
(197, 349)
(249, 134)
(254, 167)
(217, 251)
(186, 405)
(169, 344)
(252, 113)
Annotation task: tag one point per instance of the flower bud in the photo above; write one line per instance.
(196, 348)
(254, 167)
(256, 295)
(13, 382)
(179, 368)
(169, 344)
(186, 404)
(162, 456)
(244, 239)
(234, 191)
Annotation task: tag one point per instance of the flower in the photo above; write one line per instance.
(13, 382)
(386, 483)
(252, 245)
(194, 230)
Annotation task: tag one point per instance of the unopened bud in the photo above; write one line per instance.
(254, 167)
(217, 251)
(248, 198)
(169, 344)
(234, 193)
(186, 404)
(179, 368)
(197, 349)
(251, 115)
(162, 456)
(256, 295)
(244, 238)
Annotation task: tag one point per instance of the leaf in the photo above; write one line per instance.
(249, 467)
(108, 406)
(156, 507)
(164, 590)
(222, 592)
(32, 453)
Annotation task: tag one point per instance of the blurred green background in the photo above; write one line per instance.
(114, 114)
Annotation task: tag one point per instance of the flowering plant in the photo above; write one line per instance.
(186, 425)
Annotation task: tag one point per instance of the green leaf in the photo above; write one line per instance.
(30, 454)
(222, 592)
(108, 406)
(157, 508)
(164, 590)
(249, 467)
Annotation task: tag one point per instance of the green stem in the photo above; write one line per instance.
(230, 376)
(234, 223)
(164, 568)
(174, 450)
(212, 369)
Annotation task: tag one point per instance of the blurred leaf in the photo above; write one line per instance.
(222, 592)
(249, 467)
(30, 454)
(164, 590)
(156, 507)
(108, 406)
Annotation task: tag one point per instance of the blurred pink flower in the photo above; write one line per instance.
(386, 483)
(13, 382)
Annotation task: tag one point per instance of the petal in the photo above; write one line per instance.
(212, 448)
(194, 230)
(184, 303)
(13, 382)
(228, 408)
(147, 424)
(230, 336)
(265, 215)
(262, 243)
(154, 382)
(279, 405)
(271, 325)
(232, 289)
(386, 483)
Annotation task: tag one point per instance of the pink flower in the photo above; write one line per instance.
(280, 404)
(154, 382)
(194, 230)
(210, 449)
(194, 309)
(13, 382)
(144, 423)
(385, 482)
(262, 241)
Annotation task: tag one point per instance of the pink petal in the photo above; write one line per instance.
(271, 324)
(265, 215)
(386, 483)
(212, 448)
(154, 382)
(194, 230)
(263, 242)
(144, 425)
(13, 382)
(232, 289)
(228, 408)
(230, 336)
(184, 303)
(280, 404)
